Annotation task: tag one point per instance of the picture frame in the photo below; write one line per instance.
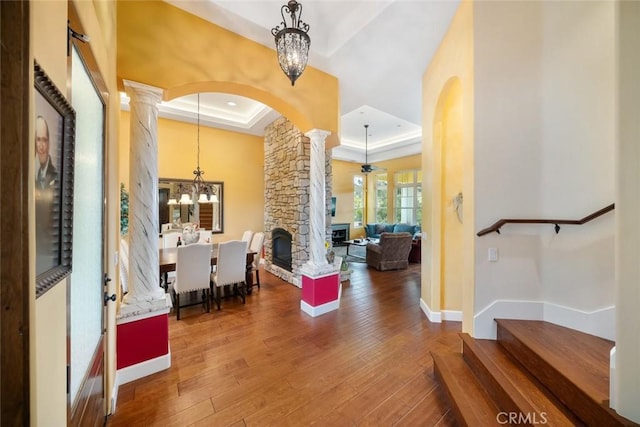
(54, 142)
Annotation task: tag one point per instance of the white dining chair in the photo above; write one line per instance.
(256, 246)
(231, 269)
(246, 236)
(170, 240)
(205, 236)
(193, 273)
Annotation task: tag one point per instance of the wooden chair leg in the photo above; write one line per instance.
(242, 289)
(205, 298)
(218, 297)
(258, 277)
(177, 306)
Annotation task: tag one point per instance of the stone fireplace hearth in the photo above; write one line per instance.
(287, 188)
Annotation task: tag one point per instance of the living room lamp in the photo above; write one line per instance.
(292, 42)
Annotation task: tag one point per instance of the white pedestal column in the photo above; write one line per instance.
(321, 287)
(317, 264)
(145, 293)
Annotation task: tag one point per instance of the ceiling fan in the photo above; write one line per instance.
(366, 167)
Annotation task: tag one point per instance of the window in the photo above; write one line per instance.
(358, 200)
(408, 198)
(381, 201)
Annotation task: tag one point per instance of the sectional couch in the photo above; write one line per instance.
(373, 230)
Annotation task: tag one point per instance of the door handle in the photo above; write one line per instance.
(108, 298)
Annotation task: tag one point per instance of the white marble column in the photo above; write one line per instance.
(317, 264)
(145, 293)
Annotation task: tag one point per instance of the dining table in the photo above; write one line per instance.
(168, 257)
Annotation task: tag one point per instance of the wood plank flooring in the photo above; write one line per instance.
(268, 363)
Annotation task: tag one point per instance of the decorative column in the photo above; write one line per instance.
(144, 279)
(142, 324)
(320, 280)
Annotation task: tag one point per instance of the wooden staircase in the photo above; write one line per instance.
(536, 373)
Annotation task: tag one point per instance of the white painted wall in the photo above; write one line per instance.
(578, 144)
(627, 372)
(544, 145)
(508, 81)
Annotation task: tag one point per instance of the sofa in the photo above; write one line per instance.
(392, 251)
(373, 231)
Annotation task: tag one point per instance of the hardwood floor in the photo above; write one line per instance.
(268, 363)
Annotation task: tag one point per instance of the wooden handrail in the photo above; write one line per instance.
(496, 227)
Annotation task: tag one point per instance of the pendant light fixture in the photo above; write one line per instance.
(204, 192)
(292, 42)
(202, 189)
(366, 168)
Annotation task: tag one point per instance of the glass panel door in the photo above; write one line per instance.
(86, 283)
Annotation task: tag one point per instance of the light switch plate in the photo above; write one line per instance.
(493, 254)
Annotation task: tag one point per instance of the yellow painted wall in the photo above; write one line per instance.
(342, 189)
(343, 173)
(454, 59)
(47, 340)
(48, 326)
(181, 53)
(449, 120)
(236, 159)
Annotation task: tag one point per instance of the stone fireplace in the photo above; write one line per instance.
(287, 189)
(281, 245)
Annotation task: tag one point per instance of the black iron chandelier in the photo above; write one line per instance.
(292, 42)
(203, 191)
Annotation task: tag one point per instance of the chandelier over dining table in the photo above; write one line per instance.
(204, 192)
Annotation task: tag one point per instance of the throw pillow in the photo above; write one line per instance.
(406, 228)
(380, 228)
(370, 229)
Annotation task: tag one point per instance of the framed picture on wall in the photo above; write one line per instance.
(54, 136)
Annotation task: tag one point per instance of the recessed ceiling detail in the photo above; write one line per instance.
(380, 79)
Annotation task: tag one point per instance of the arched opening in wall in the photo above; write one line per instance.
(278, 135)
(448, 133)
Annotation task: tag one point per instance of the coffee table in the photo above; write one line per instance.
(358, 242)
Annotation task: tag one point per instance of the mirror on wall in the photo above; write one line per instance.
(207, 215)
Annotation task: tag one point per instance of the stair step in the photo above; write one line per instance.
(513, 389)
(470, 402)
(573, 365)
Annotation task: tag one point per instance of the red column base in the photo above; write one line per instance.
(142, 346)
(321, 294)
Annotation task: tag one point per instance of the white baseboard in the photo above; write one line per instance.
(321, 309)
(613, 391)
(485, 327)
(599, 322)
(143, 369)
(452, 315)
(433, 316)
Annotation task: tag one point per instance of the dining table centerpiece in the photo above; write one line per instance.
(190, 234)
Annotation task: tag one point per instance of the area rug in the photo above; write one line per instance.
(356, 253)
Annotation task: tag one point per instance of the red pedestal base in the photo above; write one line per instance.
(142, 340)
(320, 294)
